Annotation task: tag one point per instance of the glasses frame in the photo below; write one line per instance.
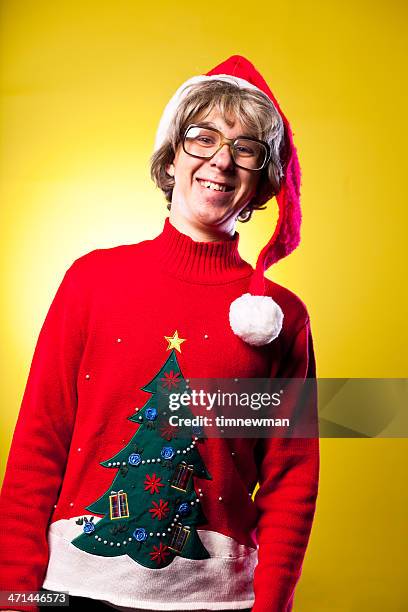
(230, 142)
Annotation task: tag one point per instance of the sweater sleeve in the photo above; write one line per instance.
(286, 498)
(40, 443)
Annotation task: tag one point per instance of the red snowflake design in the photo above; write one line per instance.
(168, 431)
(159, 553)
(160, 510)
(171, 379)
(152, 483)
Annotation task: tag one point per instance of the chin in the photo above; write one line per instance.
(208, 215)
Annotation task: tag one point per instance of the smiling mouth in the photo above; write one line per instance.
(214, 186)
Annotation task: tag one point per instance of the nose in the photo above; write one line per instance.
(223, 158)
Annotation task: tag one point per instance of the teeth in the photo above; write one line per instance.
(213, 186)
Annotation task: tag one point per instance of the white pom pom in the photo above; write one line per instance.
(257, 319)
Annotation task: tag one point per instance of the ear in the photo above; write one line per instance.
(170, 169)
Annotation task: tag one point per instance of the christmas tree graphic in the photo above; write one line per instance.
(151, 510)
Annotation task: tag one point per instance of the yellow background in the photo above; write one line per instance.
(83, 85)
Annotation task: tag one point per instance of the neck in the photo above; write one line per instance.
(200, 232)
(203, 262)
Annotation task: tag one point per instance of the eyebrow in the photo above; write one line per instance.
(210, 124)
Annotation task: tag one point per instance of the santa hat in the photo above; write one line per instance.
(254, 317)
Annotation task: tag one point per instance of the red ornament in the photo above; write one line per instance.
(168, 431)
(152, 483)
(171, 379)
(160, 510)
(159, 553)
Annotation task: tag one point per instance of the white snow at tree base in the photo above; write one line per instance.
(185, 584)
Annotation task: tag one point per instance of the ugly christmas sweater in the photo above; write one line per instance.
(100, 497)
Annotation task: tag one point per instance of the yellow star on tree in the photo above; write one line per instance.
(174, 341)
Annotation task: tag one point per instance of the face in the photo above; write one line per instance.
(196, 206)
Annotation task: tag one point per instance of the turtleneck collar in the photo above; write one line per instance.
(199, 262)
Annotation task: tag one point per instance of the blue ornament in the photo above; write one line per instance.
(196, 429)
(89, 527)
(167, 452)
(134, 459)
(151, 414)
(140, 534)
(184, 509)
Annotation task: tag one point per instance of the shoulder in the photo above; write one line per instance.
(295, 312)
(109, 259)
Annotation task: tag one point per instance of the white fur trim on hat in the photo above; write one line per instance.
(256, 319)
(172, 105)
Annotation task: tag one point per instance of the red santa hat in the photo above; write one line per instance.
(254, 317)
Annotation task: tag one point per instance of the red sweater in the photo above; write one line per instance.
(101, 343)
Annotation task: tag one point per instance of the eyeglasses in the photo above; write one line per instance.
(204, 142)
